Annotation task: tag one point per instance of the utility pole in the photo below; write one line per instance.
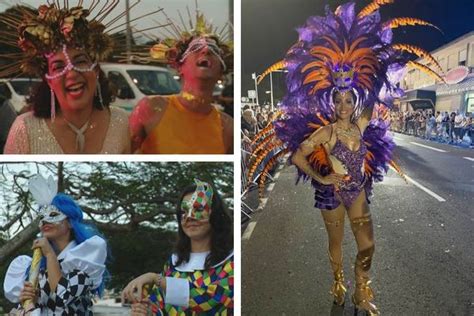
(231, 14)
(128, 33)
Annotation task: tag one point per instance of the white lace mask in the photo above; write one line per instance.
(199, 43)
(50, 214)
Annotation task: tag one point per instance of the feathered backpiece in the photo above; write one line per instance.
(344, 51)
(267, 149)
(57, 23)
(175, 39)
(43, 190)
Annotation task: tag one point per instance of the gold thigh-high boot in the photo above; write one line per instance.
(338, 290)
(363, 295)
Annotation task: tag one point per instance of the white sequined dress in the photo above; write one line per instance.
(31, 135)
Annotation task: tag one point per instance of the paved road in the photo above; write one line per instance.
(424, 260)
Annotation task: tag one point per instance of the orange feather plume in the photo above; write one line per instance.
(323, 53)
(276, 66)
(261, 156)
(317, 64)
(397, 169)
(269, 129)
(262, 144)
(319, 158)
(325, 122)
(263, 133)
(363, 60)
(426, 70)
(397, 22)
(372, 7)
(266, 169)
(367, 168)
(420, 52)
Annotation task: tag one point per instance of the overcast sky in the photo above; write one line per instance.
(216, 11)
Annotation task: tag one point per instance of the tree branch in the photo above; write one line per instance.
(18, 241)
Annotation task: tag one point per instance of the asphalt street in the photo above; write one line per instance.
(424, 258)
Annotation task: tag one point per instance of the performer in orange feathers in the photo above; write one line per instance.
(187, 123)
(341, 67)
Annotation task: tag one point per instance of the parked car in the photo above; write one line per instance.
(134, 82)
(17, 90)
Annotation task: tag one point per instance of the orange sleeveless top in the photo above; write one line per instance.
(181, 131)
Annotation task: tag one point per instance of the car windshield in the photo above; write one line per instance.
(23, 87)
(154, 82)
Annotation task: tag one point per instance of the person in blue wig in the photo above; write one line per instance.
(72, 262)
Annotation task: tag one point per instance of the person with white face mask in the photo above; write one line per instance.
(189, 122)
(71, 266)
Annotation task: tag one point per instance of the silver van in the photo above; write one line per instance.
(17, 90)
(134, 82)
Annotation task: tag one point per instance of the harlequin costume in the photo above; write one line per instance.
(191, 287)
(193, 290)
(341, 52)
(82, 261)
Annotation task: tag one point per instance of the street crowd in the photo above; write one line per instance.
(445, 127)
(254, 119)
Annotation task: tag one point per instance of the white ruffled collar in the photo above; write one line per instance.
(69, 246)
(196, 261)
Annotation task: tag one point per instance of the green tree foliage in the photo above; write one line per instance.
(137, 252)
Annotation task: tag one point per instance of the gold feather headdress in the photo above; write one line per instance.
(33, 34)
(176, 38)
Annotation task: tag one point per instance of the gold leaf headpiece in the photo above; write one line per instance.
(44, 32)
(175, 37)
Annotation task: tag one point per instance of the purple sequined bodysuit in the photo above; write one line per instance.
(353, 161)
(325, 196)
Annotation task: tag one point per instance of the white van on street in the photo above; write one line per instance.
(17, 90)
(134, 82)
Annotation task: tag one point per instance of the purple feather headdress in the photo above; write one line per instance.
(343, 52)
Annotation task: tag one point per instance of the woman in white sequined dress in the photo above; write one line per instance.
(83, 123)
(71, 113)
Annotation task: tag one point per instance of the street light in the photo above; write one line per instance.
(271, 81)
(271, 88)
(270, 93)
(255, 78)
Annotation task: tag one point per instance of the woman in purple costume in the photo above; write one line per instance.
(342, 140)
(341, 67)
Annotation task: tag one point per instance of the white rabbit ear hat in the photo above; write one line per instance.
(44, 191)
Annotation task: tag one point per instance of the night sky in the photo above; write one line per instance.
(269, 29)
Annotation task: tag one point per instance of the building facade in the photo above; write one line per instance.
(424, 92)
